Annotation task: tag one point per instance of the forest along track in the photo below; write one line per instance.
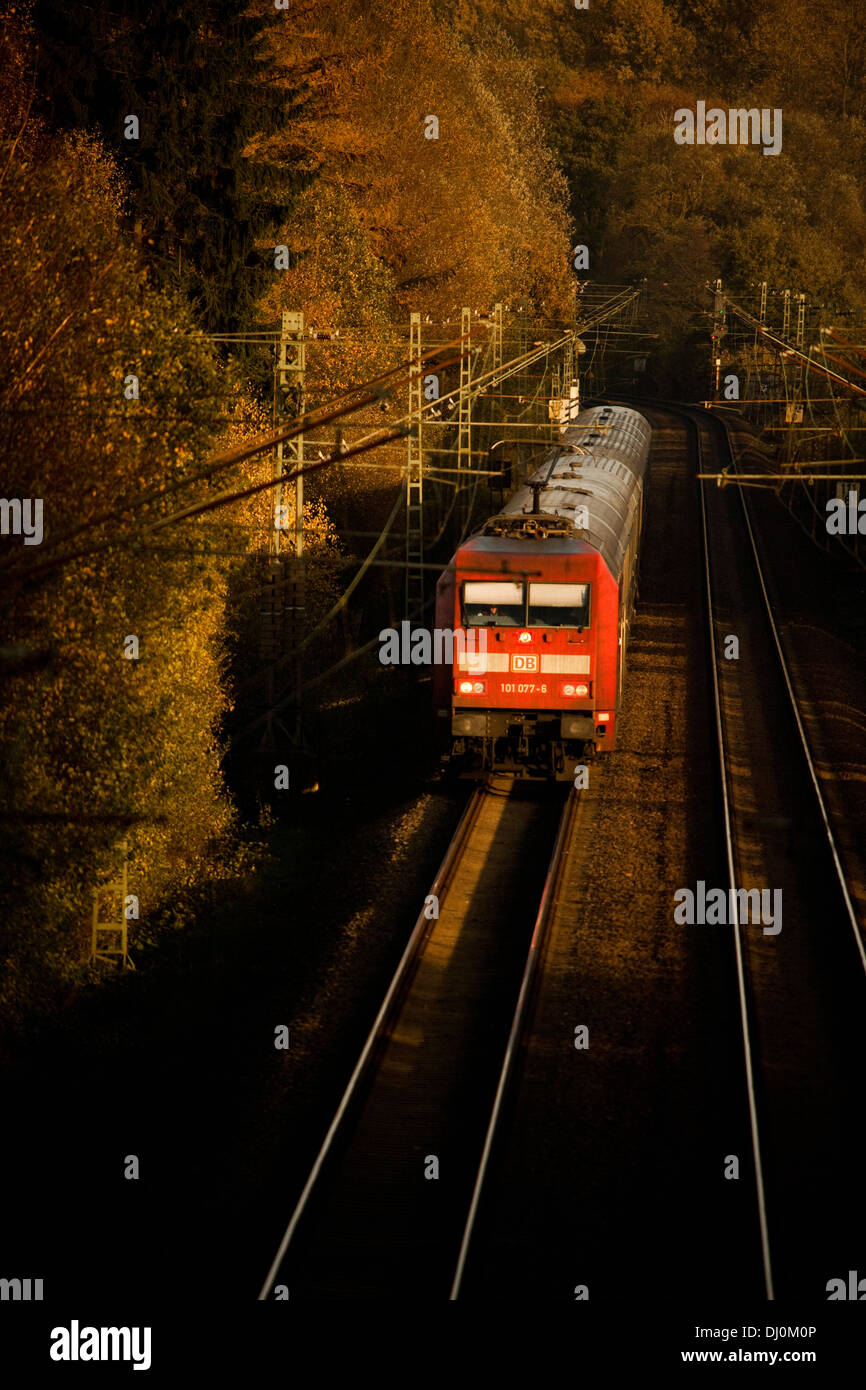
(370, 1223)
(802, 989)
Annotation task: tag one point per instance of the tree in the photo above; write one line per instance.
(201, 85)
(639, 38)
(102, 736)
(463, 213)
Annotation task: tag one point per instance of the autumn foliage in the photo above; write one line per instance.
(410, 156)
(125, 632)
(95, 745)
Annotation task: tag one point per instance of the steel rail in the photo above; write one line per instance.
(738, 942)
(703, 419)
(441, 883)
(548, 899)
(807, 752)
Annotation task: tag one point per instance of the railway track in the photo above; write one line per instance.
(388, 1209)
(784, 1006)
(800, 968)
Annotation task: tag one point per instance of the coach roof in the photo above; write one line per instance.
(592, 481)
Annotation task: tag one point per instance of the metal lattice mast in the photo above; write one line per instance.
(283, 597)
(762, 317)
(464, 412)
(568, 366)
(557, 395)
(568, 379)
(497, 358)
(110, 931)
(289, 401)
(718, 334)
(786, 328)
(414, 477)
(797, 412)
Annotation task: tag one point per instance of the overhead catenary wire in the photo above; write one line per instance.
(288, 695)
(28, 570)
(369, 392)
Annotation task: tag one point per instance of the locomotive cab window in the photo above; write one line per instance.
(559, 605)
(492, 604)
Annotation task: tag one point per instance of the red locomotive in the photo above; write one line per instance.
(551, 581)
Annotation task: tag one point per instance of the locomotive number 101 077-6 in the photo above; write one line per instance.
(522, 688)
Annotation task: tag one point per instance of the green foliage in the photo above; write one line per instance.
(543, 30)
(96, 745)
(395, 222)
(258, 128)
(612, 77)
(199, 79)
(471, 216)
(589, 140)
(638, 39)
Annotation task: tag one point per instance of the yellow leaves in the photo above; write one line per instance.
(119, 735)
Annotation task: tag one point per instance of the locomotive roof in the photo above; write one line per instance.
(599, 465)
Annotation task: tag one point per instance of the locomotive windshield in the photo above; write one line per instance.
(558, 605)
(493, 604)
(496, 604)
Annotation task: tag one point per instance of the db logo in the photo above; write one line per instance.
(524, 663)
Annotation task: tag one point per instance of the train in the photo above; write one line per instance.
(540, 603)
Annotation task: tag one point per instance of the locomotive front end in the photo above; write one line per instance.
(527, 692)
(540, 603)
